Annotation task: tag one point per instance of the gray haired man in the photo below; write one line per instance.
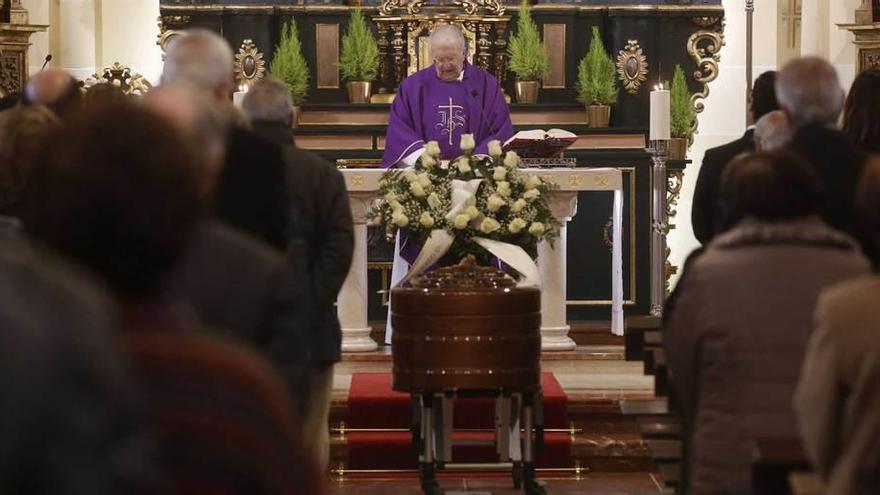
(319, 202)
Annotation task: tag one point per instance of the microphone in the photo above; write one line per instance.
(48, 59)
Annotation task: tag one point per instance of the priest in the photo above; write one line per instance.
(440, 103)
(444, 101)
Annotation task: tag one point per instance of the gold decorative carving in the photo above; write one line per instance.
(705, 21)
(416, 42)
(131, 83)
(169, 27)
(674, 181)
(704, 48)
(632, 66)
(413, 7)
(249, 65)
(870, 59)
(10, 73)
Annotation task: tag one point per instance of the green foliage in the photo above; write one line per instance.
(359, 58)
(597, 75)
(682, 114)
(289, 65)
(527, 55)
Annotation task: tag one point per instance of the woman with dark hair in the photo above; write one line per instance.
(838, 397)
(124, 201)
(736, 335)
(861, 113)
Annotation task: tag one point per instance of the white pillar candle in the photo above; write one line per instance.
(238, 96)
(660, 119)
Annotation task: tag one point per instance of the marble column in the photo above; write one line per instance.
(351, 305)
(552, 265)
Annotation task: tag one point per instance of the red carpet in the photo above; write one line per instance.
(372, 405)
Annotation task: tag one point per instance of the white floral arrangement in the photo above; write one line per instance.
(470, 198)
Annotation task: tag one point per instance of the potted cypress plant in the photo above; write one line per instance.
(527, 56)
(682, 116)
(359, 58)
(597, 82)
(289, 65)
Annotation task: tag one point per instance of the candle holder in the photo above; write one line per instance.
(659, 151)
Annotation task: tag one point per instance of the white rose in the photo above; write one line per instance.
(390, 197)
(423, 180)
(533, 181)
(427, 160)
(495, 148)
(432, 149)
(395, 205)
(516, 225)
(531, 194)
(495, 202)
(399, 219)
(426, 220)
(511, 159)
(518, 205)
(461, 221)
(503, 189)
(489, 225)
(472, 212)
(409, 174)
(416, 189)
(433, 201)
(536, 229)
(500, 173)
(467, 143)
(463, 166)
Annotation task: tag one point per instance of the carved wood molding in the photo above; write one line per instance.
(632, 66)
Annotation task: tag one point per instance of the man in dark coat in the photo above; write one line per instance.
(704, 212)
(809, 91)
(324, 226)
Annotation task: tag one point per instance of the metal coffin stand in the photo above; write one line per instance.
(468, 331)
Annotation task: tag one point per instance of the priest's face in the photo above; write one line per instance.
(448, 60)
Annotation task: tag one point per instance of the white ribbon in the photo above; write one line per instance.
(463, 195)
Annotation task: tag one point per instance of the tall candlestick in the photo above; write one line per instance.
(660, 118)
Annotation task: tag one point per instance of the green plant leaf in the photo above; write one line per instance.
(359, 56)
(289, 65)
(597, 75)
(683, 117)
(527, 54)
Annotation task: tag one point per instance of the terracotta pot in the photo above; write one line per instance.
(359, 91)
(598, 115)
(527, 91)
(678, 148)
(297, 111)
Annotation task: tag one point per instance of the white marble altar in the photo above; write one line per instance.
(362, 185)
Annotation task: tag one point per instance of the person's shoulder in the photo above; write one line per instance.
(724, 153)
(215, 239)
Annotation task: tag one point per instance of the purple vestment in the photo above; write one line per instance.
(428, 108)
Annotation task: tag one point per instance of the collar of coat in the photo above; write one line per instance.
(810, 230)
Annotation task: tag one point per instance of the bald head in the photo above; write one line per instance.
(54, 88)
(809, 91)
(201, 59)
(198, 119)
(772, 131)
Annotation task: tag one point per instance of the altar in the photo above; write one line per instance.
(646, 39)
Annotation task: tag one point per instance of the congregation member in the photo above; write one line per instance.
(71, 411)
(251, 193)
(809, 91)
(772, 132)
(705, 210)
(838, 396)
(24, 133)
(319, 202)
(55, 89)
(223, 419)
(238, 285)
(861, 113)
(736, 335)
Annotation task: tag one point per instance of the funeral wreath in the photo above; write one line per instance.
(479, 205)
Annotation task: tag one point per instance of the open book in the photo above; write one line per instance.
(538, 143)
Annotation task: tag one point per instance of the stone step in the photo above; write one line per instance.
(659, 427)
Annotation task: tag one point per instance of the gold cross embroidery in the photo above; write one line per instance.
(451, 117)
